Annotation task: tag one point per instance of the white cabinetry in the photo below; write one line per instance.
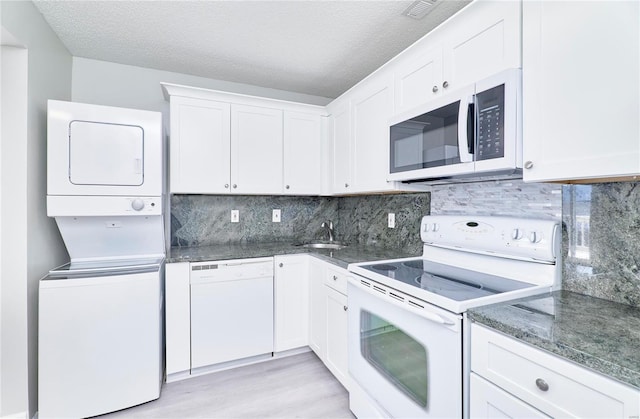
(336, 311)
(256, 150)
(328, 317)
(548, 384)
(581, 90)
(291, 294)
(178, 319)
(372, 106)
(225, 143)
(303, 153)
(200, 146)
(481, 40)
(317, 308)
(341, 136)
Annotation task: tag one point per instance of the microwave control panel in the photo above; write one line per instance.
(490, 123)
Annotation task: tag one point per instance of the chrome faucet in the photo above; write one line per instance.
(329, 226)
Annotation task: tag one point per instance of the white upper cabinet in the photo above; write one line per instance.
(371, 108)
(200, 146)
(256, 149)
(417, 77)
(481, 40)
(341, 135)
(303, 153)
(581, 91)
(226, 143)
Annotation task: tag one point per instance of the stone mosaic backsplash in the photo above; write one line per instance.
(201, 220)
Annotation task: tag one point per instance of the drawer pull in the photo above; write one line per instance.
(542, 385)
(345, 308)
(335, 278)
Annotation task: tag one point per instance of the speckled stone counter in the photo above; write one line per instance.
(341, 257)
(595, 333)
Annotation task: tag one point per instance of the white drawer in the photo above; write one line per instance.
(490, 401)
(336, 278)
(525, 372)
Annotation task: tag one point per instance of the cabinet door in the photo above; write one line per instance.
(581, 90)
(302, 154)
(177, 318)
(337, 350)
(317, 308)
(291, 294)
(417, 78)
(341, 119)
(256, 150)
(371, 110)
(199, 146)
(489, 401)
(482, 40)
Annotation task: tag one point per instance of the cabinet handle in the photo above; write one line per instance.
(335, 278)
(281, 265)
(346, 185)
(528, 164)
(226, 186)
(434, 89)
(235, 186)
(445, 84)
(345, 308)
(542, 385)
(286, 187)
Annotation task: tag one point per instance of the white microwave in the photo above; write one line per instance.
(474, 132)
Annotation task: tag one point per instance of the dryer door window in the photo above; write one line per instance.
(105, 154)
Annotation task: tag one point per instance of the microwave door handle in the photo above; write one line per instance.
(465, 140)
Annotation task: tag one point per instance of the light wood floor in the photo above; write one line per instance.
(297, 386)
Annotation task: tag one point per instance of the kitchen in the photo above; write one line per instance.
(611, 243)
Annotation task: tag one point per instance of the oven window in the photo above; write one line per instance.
(401, 359)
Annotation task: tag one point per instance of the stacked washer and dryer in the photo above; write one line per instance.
(100, 315)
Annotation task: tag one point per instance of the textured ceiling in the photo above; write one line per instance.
(319, 48)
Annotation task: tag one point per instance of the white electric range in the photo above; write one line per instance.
(407, 345)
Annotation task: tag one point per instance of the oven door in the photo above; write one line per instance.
(404, 353)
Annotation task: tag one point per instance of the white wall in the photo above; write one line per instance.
(49, 77)
(106, 83)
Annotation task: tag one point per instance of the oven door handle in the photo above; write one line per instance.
(402, 302)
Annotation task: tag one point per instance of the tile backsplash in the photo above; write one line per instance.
(601, 243)
(201, 220)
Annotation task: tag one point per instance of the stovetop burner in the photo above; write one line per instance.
(415, 264)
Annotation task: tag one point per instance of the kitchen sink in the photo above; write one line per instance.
(325, 245)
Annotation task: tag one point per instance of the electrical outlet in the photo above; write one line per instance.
(275, 216)
(391, 220)
(235, 216)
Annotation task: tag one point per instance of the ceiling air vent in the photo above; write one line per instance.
(419, 9)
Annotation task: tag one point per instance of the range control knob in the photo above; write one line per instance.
(435, 227)
(427, 227)
(137, 204)
(516, 234)
(534, 237)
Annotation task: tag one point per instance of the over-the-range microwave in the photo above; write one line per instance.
(473, 133)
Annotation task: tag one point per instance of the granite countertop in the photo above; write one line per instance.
(342, 257)
(599, 334)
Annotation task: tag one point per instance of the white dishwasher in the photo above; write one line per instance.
(231, 310)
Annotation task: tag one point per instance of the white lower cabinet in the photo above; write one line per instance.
(336, 303)
(177, 319)
(317, 308)
(328, 317)
(291, 302)
(547, 384)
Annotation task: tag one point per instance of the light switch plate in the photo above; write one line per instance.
(235, 216)
(391, 220)
(275, 216)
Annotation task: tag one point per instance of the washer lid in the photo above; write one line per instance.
(94, 268)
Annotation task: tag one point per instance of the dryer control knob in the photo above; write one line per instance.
(137, 204)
